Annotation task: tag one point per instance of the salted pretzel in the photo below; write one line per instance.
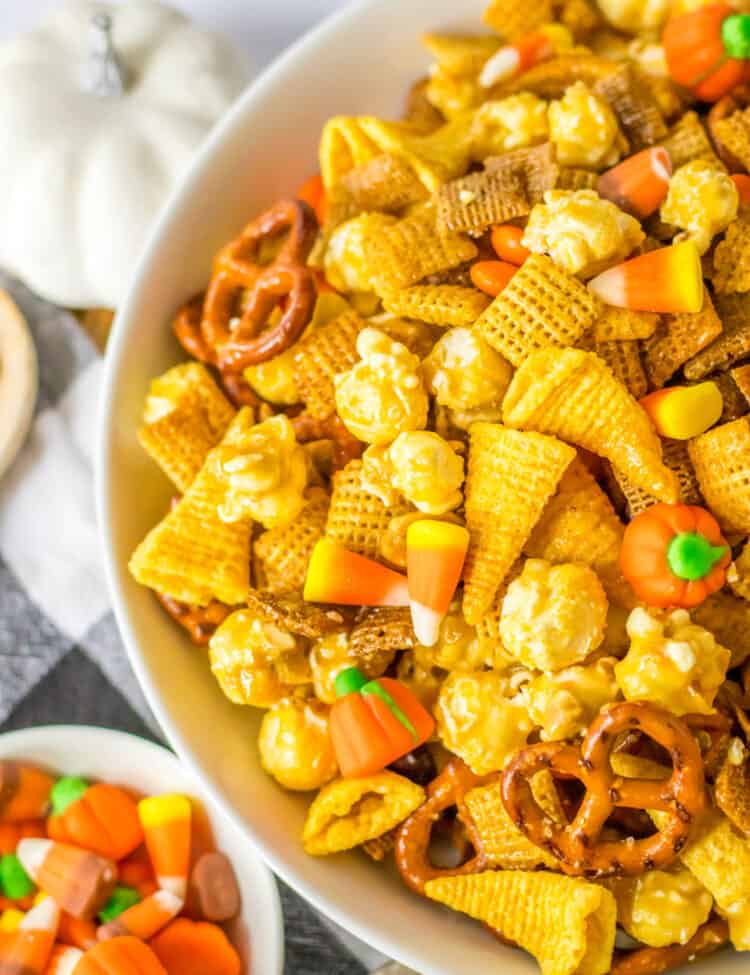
(736, 99)
(413, 836)
(201, 622)
(653, 961)
(236, 334)
(187, 328)
(346, 447)
(578, 845)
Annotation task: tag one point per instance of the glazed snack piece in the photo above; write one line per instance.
(521, 321)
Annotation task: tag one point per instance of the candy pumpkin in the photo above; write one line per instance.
(120, 956)
(708, 50)
(374, 722)
(674, 555)
(100, 818)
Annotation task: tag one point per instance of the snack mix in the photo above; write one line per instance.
(97, 879)
(461, 479)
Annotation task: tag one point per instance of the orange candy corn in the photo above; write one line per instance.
(684, 412)
(492, 276)
(640, 183)
(166, 822)
(79, 881)
(435, 555)
(313, 192)
(63, 960)
(120, 956)
(29, 951)
(507, 242)
(145, 919)
(24, 791)
(742, 182)
(336, 575)
(668, 280)
(513, 59)
(11, 834)
(76, 933)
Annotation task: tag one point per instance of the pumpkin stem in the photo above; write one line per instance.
(691, 556)
(350, 681)
(735, 35)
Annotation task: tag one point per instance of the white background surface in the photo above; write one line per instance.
(261, 27)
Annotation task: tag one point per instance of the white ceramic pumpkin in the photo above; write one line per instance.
(18, 380)
(85, 163)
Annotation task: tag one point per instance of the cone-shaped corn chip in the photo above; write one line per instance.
(624, 325)
(720, 858)
(386, 183)
(356, 518)
(541, 306)
(510, 478)
(573, 395)
(343, 147)
(413, 248)
(439, 304)
(732, 344)
(676, 458)
(512, 20)
(733, 132)
(502, 843)
(285, 552)
(728, 618)
(320, 356)
(186, 415)
(732, 259)
(461, 54)
(580, 525)
(721, 458)
(632, 101)
(551, 79)
(567, 924)
(192, 555)
(677, 339)
(687, 141)
(348, 812)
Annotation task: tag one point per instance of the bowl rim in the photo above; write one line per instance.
(39, 737)
(254, 94)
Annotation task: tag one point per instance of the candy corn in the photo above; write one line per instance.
(31, 946)
(336, 575)
(667, 280)
(76, 932)
(742, 182)
(63, 960)
(120, 956)
(531, 49)
(435, 555)
(24, 791)
(145, 919)
(492, 276)
(79, 881)
(507, 242)
(640, 183)
(166, 822)
(682, 412)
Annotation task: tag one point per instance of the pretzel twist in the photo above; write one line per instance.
(238, 269)
(346, 447)
(578, 845)
(653, 961)
(413, 836)
(201, 622)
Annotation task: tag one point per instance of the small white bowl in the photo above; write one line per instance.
(113, 756)
(361, 61)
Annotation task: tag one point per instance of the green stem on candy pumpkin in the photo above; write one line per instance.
(691, 556)
(735, 35)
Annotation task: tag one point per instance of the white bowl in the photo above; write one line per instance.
(113, 756)
(361, 61)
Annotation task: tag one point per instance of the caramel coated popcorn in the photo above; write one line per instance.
(702, 201)
(584, 129)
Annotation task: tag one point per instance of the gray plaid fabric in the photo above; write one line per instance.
(61, 659)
